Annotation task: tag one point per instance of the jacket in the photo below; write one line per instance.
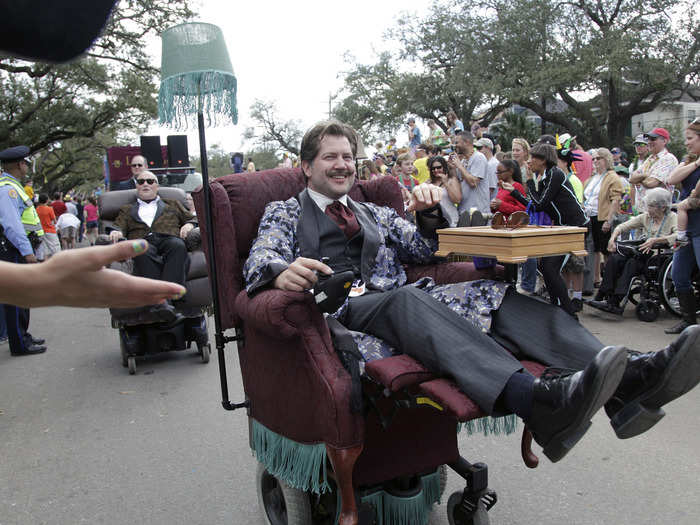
(611, 189)
(555, 197)
(170, 217)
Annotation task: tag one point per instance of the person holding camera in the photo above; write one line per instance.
(22, 234)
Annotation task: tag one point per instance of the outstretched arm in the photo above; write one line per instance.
(78, 278)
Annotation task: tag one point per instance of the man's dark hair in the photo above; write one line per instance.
(57, 196)
(311, 143)
(466, 135)
(43, 198)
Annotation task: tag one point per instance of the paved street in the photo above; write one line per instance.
(81, 441)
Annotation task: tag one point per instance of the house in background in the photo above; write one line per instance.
(668, 114)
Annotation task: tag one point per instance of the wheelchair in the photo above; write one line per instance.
(320, 462)
(653, 288)
(140, 332)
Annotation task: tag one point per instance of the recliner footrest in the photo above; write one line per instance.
(398, 372)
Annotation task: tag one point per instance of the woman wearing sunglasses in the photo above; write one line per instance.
(550, 191)
(687, 174)
(440, 176)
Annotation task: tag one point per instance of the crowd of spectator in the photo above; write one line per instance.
(556, 181)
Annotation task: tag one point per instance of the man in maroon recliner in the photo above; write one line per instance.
(457, 330)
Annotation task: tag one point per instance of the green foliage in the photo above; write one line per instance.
(515, 125)
(271, 132)
(585, 67)
(67, 114)
(218, 162)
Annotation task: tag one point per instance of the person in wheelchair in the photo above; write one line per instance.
(164, 223)
(657, 227)
(467, 331)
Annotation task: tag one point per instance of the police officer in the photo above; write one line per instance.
(21, 235)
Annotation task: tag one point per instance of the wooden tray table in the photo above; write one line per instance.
(512, 246)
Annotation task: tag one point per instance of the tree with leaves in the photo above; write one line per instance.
(272, 131)
(584, 66)
(65, 112)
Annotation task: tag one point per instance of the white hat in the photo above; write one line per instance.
(484, 142)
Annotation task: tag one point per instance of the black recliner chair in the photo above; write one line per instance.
(141, 332)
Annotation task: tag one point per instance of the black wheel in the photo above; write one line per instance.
(478, 517)
(647, 311)
(205, 352)
(443, 480)
(131, 361)
(122, 347)
(667, 291)
(279, 503)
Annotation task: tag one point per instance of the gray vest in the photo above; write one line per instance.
(343, 253)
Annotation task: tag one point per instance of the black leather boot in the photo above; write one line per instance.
(688, 307)
(564, 401)
(652, 380)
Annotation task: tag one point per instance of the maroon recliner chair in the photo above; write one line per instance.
(297, 392)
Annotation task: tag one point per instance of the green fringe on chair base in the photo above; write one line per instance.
(490, 425)
(413, 510)
(300, 466)
(179, 98)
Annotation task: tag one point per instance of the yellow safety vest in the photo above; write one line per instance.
(30, 218)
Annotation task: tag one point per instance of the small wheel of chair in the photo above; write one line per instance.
(132, 365)
(204, 351)
(125, 357)
(647, 311)
(279, 503)
(478, 517)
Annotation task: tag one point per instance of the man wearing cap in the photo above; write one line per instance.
(619, 157)
(641, 148)
(21, 228)
(421, 163)
(656, 168)
(485, 146)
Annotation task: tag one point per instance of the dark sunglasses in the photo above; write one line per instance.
(653, 138)
(137, 165)
(502, 171)
(597, 158)
(435, 168)
(140, 182)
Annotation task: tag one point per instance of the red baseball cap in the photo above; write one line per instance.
(658, 132)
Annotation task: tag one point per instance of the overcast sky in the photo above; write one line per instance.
(292, 52)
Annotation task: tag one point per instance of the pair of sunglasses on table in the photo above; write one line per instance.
(517, 219)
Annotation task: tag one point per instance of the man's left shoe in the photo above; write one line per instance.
(565, 401)
(652, 380)
(576, 304)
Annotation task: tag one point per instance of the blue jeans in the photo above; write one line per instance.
(528, 275)
(684, 262)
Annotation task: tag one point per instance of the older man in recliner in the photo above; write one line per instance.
(164, 223)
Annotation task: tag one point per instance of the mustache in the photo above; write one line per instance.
(346, 173)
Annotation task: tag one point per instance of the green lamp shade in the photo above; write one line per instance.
(196, 75)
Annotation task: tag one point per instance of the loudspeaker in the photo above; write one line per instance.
(150, 148)
(178, 156)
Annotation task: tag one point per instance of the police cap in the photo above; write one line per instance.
(14, 154)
